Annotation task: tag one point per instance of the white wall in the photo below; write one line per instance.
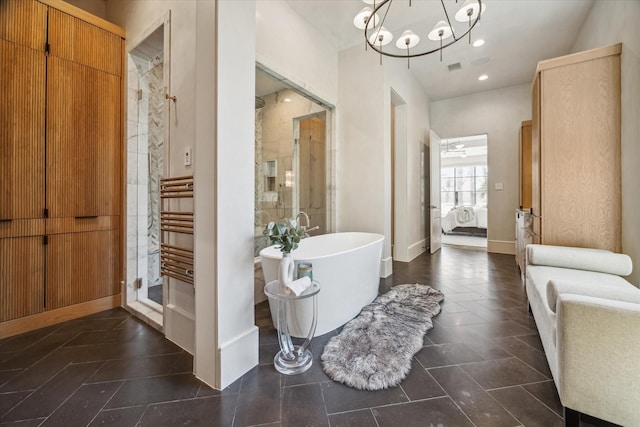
(289, 45)
(136, 17)
(233, 159)
(364, 145)
(363, 158)
(94, 7)
(409, 229)
(499, 114)
(216, 320)
(610, 22)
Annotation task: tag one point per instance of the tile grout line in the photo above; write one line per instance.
(108, 400)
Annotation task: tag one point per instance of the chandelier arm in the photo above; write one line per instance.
(446, 14)
(415, 55)
(372, 16)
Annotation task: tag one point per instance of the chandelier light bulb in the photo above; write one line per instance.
(440, 31)
(381, 37)
(469, 10)
(407, 40)
(361, 19)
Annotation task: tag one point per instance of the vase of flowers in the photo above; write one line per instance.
(286, 236)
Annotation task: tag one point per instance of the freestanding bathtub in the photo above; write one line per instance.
(347, 266)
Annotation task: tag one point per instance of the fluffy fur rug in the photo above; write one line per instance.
(374, 350)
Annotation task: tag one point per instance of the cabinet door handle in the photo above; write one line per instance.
(6, 219)
(87, 217)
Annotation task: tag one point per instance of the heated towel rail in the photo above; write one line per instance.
(176, 260)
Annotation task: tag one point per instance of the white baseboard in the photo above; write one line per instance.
(179, 326)
(238, 356)
(416, 249)
(501, 247)
(386, 267)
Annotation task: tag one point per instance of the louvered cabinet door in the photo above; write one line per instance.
(83, 135)
(83, 118)
(21, 277)
(81, 267)
(21, 132)
(77, 41)
(24, 22)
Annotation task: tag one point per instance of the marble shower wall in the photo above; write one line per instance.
(156, 168)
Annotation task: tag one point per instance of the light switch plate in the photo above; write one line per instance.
(187, 156)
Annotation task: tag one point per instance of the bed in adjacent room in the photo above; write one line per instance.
(467, 220)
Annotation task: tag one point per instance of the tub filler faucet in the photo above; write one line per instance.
(304, 214)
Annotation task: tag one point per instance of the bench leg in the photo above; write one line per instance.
(571, 418)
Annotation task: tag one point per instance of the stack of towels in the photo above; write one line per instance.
(298, 286)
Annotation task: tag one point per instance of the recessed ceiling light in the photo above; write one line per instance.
(478, 43)
(287, 100)
(483, 77)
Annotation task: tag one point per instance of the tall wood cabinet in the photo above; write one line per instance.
(525, 165)
(576, 175)
(60, 163)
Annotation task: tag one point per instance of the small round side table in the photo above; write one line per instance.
(292, 359)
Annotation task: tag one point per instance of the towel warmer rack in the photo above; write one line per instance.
(176, 261)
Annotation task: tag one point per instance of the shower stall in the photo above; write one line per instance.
(290, 165)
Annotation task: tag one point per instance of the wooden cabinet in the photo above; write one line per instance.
(525, 165)
(576, 175)
(60, 162)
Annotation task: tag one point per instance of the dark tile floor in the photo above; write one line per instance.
(481, 365)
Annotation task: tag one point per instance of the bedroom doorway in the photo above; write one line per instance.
(464, 191)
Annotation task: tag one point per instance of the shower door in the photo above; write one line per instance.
(147, 146)
(310, 170)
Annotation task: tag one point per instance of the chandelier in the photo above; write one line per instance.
(376, 35)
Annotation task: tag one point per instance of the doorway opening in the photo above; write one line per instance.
(464, 191)
(147, 147)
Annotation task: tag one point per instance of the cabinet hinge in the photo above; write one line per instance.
(45, 213)
(45, 240)
(47, 48)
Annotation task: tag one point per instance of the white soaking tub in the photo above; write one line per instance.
(347, 266)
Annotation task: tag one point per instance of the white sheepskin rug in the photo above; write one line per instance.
(374, 350)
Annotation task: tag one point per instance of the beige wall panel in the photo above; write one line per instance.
(23, 22)
(21, 277)
(21, 131)
(83, 141)
(581, 191)
(75, 40)
(81, 267)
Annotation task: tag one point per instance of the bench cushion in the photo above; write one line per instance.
(586, 259)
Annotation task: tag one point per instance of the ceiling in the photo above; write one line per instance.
(518, 34)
